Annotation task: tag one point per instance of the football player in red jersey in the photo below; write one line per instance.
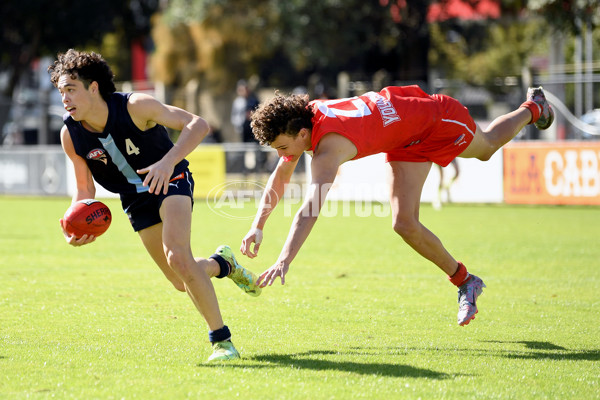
(414, 130)
(119, 141)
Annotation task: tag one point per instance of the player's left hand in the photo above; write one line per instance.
(157, 176)
(279, 269)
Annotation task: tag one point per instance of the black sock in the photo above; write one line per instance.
(219, 335)
(224, 265)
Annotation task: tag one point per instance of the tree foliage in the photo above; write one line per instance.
(481, 54)
(285, 42)
(33, 28)
(567, 15)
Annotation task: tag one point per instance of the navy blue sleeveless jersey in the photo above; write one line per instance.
(114, 155)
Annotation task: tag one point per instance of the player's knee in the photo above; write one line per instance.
(488, 149)
(406, 227)
(485, 156)
(177, 261)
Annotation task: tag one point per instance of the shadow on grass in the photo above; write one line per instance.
(583, 355)
(551, 352)
(305, 361)
(531, 344)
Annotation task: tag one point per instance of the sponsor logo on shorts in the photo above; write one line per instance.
(177, 177)
(461, 140)
(414, 142)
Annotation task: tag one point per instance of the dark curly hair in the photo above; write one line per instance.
(281, 115)
(87, 67)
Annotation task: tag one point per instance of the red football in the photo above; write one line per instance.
(88, 216)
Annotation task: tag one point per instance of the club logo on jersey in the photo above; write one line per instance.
(385, 107)
(99, 155)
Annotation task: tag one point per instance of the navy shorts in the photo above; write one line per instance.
(143, 208)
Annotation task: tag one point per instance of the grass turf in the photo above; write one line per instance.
(361, 315)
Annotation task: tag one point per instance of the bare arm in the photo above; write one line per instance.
(324, 171)
(146, 112)
(273, 193)
(332, 151)
(85, 188)
(84, 184)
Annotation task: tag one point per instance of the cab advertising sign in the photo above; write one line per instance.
(552, 173)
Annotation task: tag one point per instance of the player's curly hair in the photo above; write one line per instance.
(87, 67)
(281, 115)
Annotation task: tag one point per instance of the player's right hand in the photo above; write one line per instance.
(254, 236)
(279, 269)
(72, 240)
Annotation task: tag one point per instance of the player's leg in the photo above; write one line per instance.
(501, 131)
(407, 179)
(450, 182)
(504, 128)
(436, 203)
(195, 272)
(152, 240)
(176, 212)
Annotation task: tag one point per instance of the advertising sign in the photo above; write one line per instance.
(207, 165)
(552, 173)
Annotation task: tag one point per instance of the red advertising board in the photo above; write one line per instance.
(552, 173)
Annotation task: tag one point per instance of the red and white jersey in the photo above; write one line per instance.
(375, 122)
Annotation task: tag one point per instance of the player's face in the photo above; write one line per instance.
(291, 148)
(75, 97)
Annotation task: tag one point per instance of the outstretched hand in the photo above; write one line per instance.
(279, 269)
(254, 236)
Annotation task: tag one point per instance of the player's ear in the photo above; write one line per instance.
(304, 132)
(94, 88)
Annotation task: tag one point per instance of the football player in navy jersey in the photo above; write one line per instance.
(120, 141)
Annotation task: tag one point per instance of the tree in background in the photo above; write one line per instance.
(35, 28)
(217, 41)
(563, 15)
(210, 44)
(286, 42)
(569, 23)
(531, 39)
(481, 53)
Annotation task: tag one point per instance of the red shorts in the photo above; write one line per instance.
(455, 131)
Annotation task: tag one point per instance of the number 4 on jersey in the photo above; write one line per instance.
(131, 148)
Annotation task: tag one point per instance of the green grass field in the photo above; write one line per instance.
(361, 315)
